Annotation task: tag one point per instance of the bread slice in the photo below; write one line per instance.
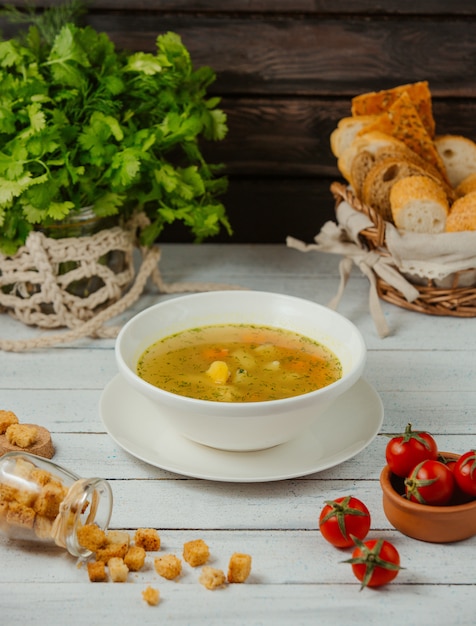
(467, 185)
(346, 130)
(376, 102)
(364, 161)
(380, 180)
(458, 154)
(403, 122)
(419, 205)
(370, 142)
(463, 214)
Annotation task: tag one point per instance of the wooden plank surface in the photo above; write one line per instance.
(286, 72)
(424, 373)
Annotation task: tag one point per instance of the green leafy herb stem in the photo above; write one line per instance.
(84, 124)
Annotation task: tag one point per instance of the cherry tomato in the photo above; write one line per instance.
(375, 562)
(343, 517)
(465, 472)
(450, 462)
(407, 450)
(431, 482)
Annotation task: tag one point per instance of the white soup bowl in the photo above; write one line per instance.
(241, 426)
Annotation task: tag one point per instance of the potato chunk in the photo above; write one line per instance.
(219, 372)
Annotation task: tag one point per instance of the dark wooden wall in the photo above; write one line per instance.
(286, 71)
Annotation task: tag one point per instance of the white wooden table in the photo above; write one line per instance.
(425, 374)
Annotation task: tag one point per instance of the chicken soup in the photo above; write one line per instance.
(238, 363)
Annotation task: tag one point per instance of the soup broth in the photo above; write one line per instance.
(238, 363)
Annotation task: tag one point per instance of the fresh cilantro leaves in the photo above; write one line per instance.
(84, 124)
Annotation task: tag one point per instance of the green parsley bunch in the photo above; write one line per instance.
(84, 124)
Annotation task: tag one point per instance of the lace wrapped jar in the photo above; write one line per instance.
(41, 501)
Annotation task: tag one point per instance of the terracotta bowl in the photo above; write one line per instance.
(436, 524)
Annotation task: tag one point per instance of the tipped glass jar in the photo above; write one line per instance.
(41, 501)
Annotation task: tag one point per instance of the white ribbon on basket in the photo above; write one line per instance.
(343, 239)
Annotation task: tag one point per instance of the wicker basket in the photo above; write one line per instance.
(454, 301)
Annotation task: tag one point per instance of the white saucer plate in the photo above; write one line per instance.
(141, 429)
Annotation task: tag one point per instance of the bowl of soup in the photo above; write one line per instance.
(240, 370)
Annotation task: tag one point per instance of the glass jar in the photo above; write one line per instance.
(79, 223)
(41, 501)
(83, 223)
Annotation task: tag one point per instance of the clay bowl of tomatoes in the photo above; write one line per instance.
(428, 494)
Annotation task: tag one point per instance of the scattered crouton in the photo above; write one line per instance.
(239, 567)
(21, 435)
(118, 536)
(168, 566)
(212, 578)
(118, 570)
(147, 538)
(196, 552)
(97, 572)
(151, 596)
(91, 537)
(7, 418)
(111, 551)
(135, 558)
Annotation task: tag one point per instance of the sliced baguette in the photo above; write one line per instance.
(370, 142)
(364, 161)
(346, 131)
(458, 154)
(463, 214)
(419, 204)
(467, 185)
(380, 180)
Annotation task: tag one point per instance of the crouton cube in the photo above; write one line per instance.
(135, 558)
(118, 570)
(8, 493)
(118, 536)
(3, 508)
(20, 515)
(49, 499)
(111, 550)
(3, 517)
(212, 578)
(239, 567)
(21, 435)
(151, 596)
(196, 552)
(91, 537)
(43, 527)
(168, 566)
(27, 496)
(23, 468)
(147, 538)
(97, 572)
(7, 418)
(40, 476)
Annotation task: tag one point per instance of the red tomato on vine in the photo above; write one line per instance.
(464, 472)
(374, 562)
(450, 462)
(343, 517)
(431, 482)
(407, 450)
